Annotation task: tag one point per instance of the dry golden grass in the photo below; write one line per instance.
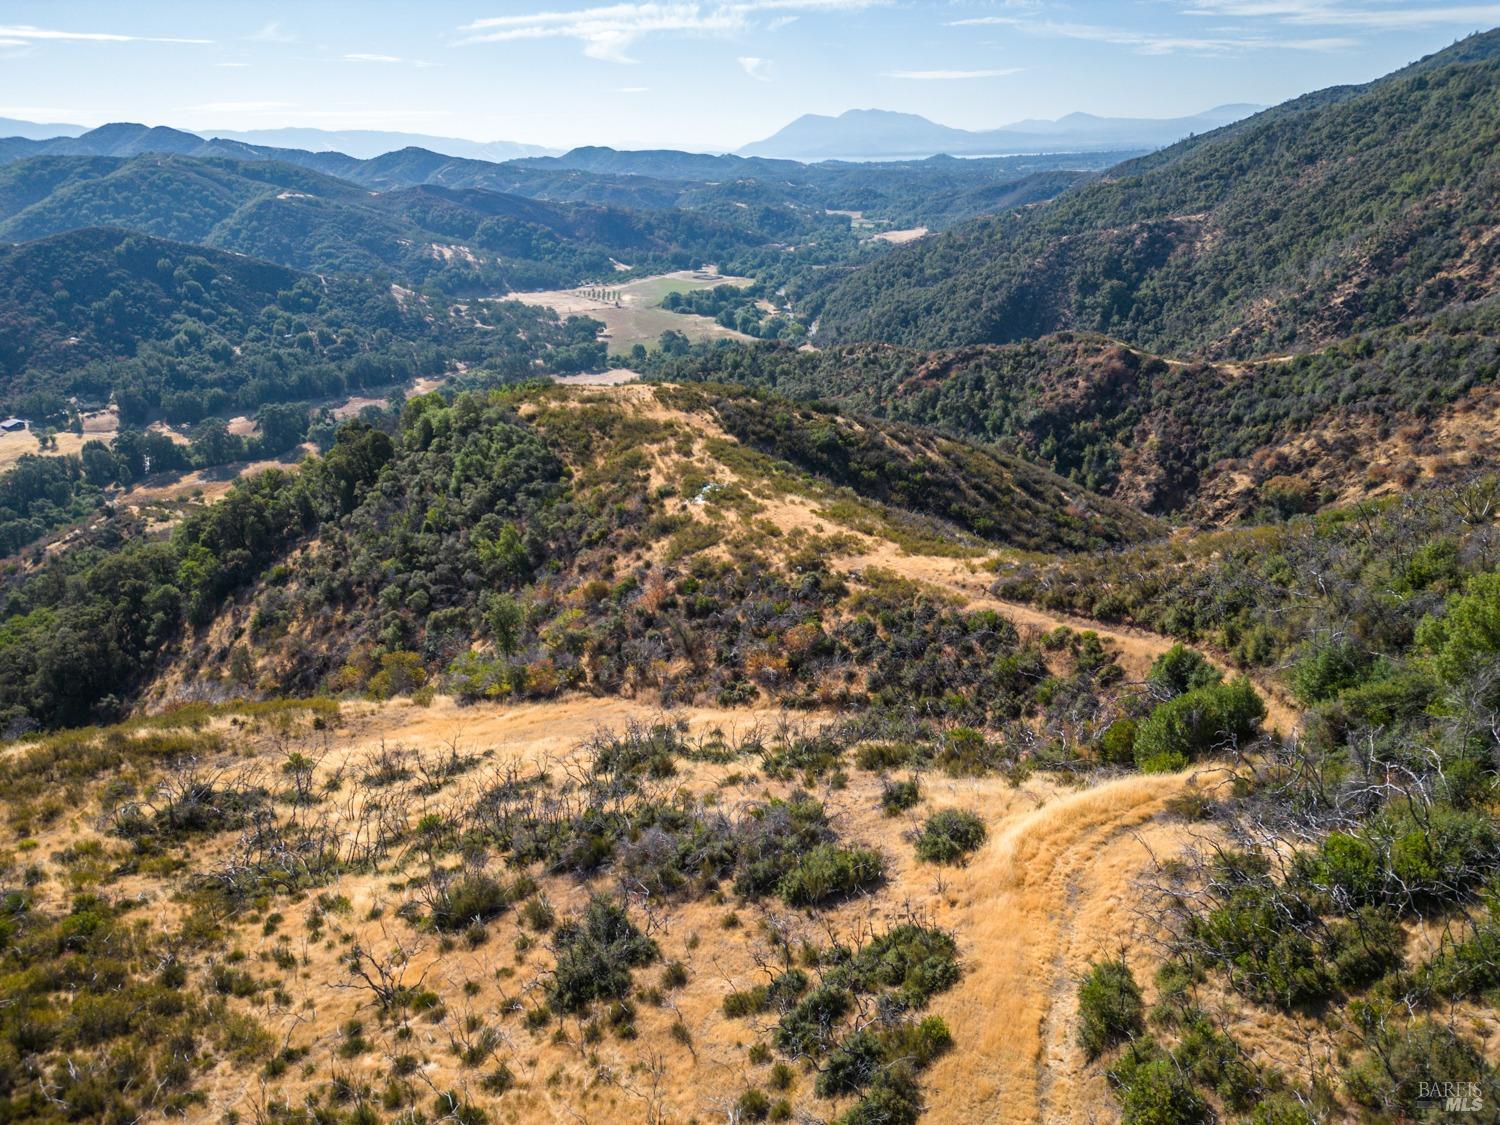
(637, 318)
(1052, 887)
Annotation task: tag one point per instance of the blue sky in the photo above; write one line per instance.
(702, 74)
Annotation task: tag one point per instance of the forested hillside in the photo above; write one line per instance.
(424, 536)
(633, 180)
(179, 332)
(458, 240)
(1146, 430)
(1338, 212)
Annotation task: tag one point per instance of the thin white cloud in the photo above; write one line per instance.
(609, 32)
(1333, 13)
(273, 32)
(27, 34)
(762, 70)
(1154, 43)
(359, 57)
(951, 75)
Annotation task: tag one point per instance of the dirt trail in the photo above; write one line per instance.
(968, 580)
(1054, 889)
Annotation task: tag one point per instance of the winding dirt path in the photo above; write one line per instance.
(1053, 889)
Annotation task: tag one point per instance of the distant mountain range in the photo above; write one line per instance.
(367, 143)
(359, 143)
(37, 131)
(879, 134)
(859, 134)
(643, 180)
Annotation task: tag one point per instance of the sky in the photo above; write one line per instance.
(707, 75)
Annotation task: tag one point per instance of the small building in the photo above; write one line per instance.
(11, 425)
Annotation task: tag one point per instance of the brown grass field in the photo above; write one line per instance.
(638, 317)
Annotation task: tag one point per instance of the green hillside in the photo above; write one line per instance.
(1338, 212)
(1119, 420)
(181, 332)
(458, 240)
(426, 537)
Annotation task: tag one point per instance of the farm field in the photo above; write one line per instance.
(638, 317)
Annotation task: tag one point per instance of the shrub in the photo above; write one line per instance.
(918, 1043)
(1260, 934)
(1109, 1008)
(898, 796)
(474, 898)
(950, 836)
(917, 961)
(1470, 967)
(808, 1029)
(1117, 744)
(1388, 1078)
(893, 1099)
(1197, 723)
(1328, 669)
(1181, 669)
(1405, 860)
(774, 838)
(595, 956)
(829, 873)
(754, 1105)
(1154, 1091)
(1465, 639)
(851, 1066)
(746, 1002)
(1366, 947)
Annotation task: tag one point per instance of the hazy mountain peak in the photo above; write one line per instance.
(888, 134)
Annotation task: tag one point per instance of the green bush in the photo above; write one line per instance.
(1406, 859)
(917, 961)
(1328, 669)
(1117, 743)
(829, 873)
(898, 796)
(1470, 967)
(745, 1002)
(754, 1105)
(851, 1066)
(1197, 723)
(1467, 637)
(1110, 1009)
(474, 898)
(1181, 669)
(595, 955)
(950, 836)
(893, 1099)
(1387, 1078)
(1153, 1090)
(1261, 935)
(918, 1043)
(809, 1028)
